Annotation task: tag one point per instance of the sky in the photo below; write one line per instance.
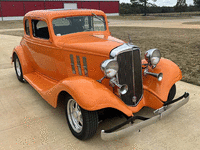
(163, 2)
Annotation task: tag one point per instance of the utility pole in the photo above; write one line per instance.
(145, 7)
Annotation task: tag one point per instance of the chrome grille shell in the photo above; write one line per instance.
(130, 72)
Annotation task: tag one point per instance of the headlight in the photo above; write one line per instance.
(153, 56)
(110, 67)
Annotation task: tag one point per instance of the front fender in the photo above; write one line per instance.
(89, 94)
(171, 74)
(25, 64)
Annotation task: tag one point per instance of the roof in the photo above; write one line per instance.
(55, 13)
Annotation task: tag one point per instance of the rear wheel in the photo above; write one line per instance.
(82, 123)
(18, 68)
(172, 93)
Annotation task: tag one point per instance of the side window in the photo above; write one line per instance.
(40, 29)
(27, 29)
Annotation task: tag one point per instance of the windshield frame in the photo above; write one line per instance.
(103, 21)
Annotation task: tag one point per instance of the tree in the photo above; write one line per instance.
(197, 3)
(144, 2)
(180, 6)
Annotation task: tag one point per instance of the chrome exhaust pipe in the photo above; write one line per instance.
(123, 89)
(158, 76)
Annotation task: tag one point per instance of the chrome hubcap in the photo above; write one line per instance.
(18, 69)
(74, 115)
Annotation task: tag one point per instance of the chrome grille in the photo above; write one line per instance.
(130, 73)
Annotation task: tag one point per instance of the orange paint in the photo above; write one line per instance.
(46, 65)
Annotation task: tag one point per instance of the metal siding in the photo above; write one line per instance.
(12, 9)
(109, 7)
(79, 5)
(54, 5)
(21, 6)
(36, 5)
(90, 5)
(0, 10)
(68, 2)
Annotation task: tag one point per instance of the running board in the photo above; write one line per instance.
(39, 82)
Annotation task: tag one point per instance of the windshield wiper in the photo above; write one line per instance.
(98, 17)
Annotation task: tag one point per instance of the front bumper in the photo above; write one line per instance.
(161, 113)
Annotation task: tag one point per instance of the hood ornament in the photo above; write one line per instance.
(130, 41)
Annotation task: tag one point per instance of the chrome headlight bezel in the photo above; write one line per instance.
(110, 67)
(153, 56)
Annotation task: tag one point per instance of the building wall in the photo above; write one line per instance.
(0, 10)
(19, 8)
(12, 8)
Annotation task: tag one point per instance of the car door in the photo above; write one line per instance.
(41, 49)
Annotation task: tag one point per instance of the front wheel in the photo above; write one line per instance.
(82, 123)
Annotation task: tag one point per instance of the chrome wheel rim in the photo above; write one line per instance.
(18, 68)
(74, 115)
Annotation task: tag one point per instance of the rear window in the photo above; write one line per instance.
(27, 29)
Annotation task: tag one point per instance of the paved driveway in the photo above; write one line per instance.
(176, 23)
(27, 121)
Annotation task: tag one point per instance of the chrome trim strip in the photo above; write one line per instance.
(85, 66)
(79, 65)
(72, 64)
(123, 48)
(133, 75)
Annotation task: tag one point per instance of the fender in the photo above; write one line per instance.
(89, 94)
(25, 64)
(171, 74)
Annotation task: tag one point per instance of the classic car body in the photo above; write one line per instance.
(71, 53)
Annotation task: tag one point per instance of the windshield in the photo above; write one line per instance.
(67, 25)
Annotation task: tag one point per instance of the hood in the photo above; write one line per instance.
(98, 44)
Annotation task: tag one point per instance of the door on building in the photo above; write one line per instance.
(70, 5)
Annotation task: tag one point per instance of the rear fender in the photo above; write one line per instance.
(171, 74)
(25, 64)
(89, 94)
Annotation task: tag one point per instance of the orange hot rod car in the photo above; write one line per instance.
(71, 55)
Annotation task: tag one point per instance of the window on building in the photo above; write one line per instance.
(27, 29)
(40, 29)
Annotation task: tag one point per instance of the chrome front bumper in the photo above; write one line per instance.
(161, 113)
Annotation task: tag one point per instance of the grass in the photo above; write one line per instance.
(179, 45)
